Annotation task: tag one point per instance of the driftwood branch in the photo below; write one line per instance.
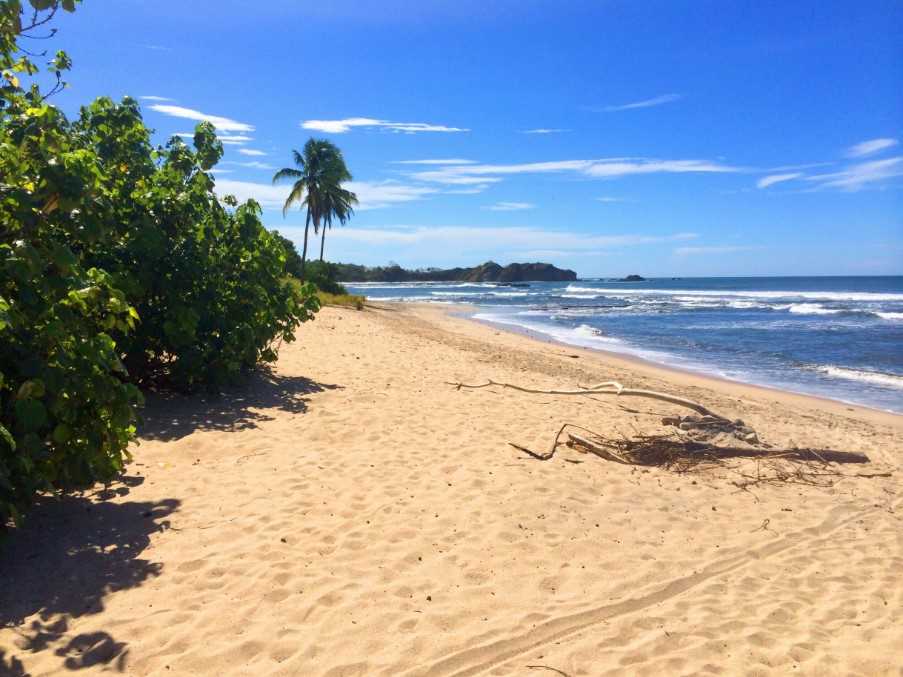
(605, 388)
(694, 443)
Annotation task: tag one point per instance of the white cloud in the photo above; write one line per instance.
(545, 130)
(857, 176)
(608, 199)
(645, 103)
(225, 139)
(727, 249)
(251, 152)
(418, 245)
(386, 193)
(151, 97)
(370, 195)
(510, 206)
(474, 190)
(614, 168)
(450, 161)
(221, 123)
(518, 238)
(253, 164)
(776, 178)
(234, 139)
(604, 168)
(869, 147)
(345, 125)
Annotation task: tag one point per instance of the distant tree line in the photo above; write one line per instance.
(486, 272)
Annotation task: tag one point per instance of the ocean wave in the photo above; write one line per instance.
(890, 316)
(812, 309)
(458, 293)
(430, 299)
(582, 335)
(580, 296)
(751, 294)
(875, 377)
(419, 285)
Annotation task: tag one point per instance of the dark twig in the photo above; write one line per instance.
(546, 667)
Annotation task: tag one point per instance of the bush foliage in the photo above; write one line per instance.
(119, 268)
(324, 275)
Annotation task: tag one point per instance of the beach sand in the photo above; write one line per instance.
(350, 514)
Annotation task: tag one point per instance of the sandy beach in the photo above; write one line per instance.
(351, 514)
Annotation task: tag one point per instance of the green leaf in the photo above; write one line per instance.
(63, 257)
(62, 433)
(7, 437)
(32, 414)
(31, 389)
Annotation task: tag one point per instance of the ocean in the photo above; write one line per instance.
(835, 337)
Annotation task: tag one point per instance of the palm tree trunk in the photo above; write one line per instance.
(304, 250)
(322, 243)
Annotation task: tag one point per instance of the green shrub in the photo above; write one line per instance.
(207, 281)
(67, 411)
(118, 266)
(324, 274)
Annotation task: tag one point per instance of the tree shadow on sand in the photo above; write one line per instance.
(170, 417)
(70, 554)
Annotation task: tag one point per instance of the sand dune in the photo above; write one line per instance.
(349, 514)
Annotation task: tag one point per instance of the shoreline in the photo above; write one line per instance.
(460, 311)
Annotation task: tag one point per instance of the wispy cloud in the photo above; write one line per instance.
(371, 195)
(221, 123)
(870, 147)
(704, 250)
(472, 190)
(603, 168)
(234, 139)
(518, 237)
(510, 206)
(776, 178)
(225, 139)
(347, 124)
(608, 199)
(857, 176)
(438, 161)
(251, 152)
(545, 130)
(376, 195)
(645, 103)
(253, 164)
(151, 97)
(615, 168)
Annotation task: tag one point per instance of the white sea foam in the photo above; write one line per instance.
(582, 335)
(890, 316)
(812, 309)
(418, 285)
(458, 293)
(752, 294)
(878, 378)
(580, 296)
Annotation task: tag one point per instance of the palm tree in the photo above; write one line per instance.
(337, 204)
(317, 185)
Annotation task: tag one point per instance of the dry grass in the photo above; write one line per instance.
(342, 300)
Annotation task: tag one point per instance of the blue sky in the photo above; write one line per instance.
(659, 137)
